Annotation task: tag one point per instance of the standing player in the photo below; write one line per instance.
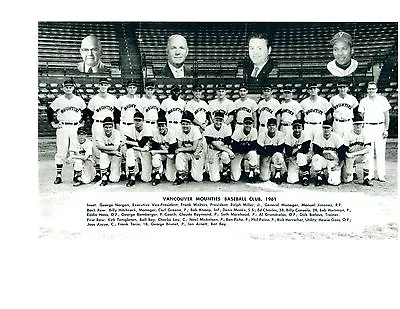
(199, 108)
(245, 107)
(126, 105)
(358, 147)
(267, 108)
(343, 105)
(290, 111)
(149, 107)
(108, 143)
(187, 151)
(81, 155)
(218, 137)
(173, 108)
(314, 109)
(244, 146)
(298, 154)
(101, 105)
(329, 154)
(65, 114)
(221, 103)
(375, 110)
(270, 148)
(162, 149)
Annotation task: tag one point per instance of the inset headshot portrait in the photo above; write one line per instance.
(91, 52)
(177, 51)
(343, 51)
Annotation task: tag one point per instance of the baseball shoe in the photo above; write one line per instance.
(355, 177)
(178, 181)
(252, 176)
(319, 181)
(305, 181)
(77, 182)
(131, 181)
(97, 178)
(104, 182)
(278, 178)
(57, 180)
(367, 182)
(122, 177)
(225, 177)
(156, 180)
(382, 179)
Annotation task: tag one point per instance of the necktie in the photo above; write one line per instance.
(90, 70)
(255, 71)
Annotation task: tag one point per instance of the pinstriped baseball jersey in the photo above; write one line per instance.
(149, 108)
(244, 109)
(102, 107)
(127, 106)
(343, 107)
(289, 111)
(173, 109)
(68, 110)
(314, 111)
(267, 109)
(198, 109)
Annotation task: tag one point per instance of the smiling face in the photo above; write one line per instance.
(68, 89)
(103, 87)
(108, 128)
(177, 50)
(218, 122)
(243, 92)
(131, 89)
(185, 126)
(259, 51)
(343, 90)
(149, 91)
(91, 51)
(221, 93)
(327, 130)
(297, 131)
(342, 52)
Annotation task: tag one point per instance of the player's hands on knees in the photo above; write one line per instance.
(385, 134)
(231, 154)
(55, 125)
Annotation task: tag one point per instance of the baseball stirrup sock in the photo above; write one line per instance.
(59, 168)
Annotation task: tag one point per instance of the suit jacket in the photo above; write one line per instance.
(166, 72)
(255, 83)
(101, 67)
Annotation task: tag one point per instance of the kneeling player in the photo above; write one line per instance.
(109, 144)
(244, 145)
(270, 148)
(298, 154)
(163, 145)
(218, 137)
(82, 158)
(329, 153)
(358, 147)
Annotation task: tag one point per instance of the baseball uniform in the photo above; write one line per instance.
(149, 107)
(102, 107)
(244, 108)
(127, 106)
(109, 159)
(343, 113)
(225, 105)
(289, 111)
(314, 114)
(199, 109)
(267, 109)
(83, 166)
(173, 112)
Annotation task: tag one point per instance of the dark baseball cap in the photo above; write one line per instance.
(175, 88)
(267, 87)
(138, 115)
(287, 89)
(132, 83)
(197, 87)
(149, 85)
(243, 86)
(358, 119)
(221, 86)
(107, 120)
(68, 82)
(248, 120)
(272, 121)
(312, 85)
(327, 123)
(82, 130)
(344, 36)
(219, 114)
(103, 81)
(187, 117)
(162, 120)
(297, 123)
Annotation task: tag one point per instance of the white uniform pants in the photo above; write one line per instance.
(312, 130)
(182, 165)
(378, 147)
(343, 128)
(216, 159)
(236, 165)
(65, 136)
(135, 158)
(349, 163)
(269, 165)
(294, 164)
(319, 163)
(115, 165)
(170, 170)
(87, 169)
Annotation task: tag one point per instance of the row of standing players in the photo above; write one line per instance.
(270, 140)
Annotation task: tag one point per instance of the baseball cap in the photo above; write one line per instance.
(187, 117)
(107, 120)
(287, 89)
(131, 83)
(219, 114)
(342, 84)
(221, 86)
(267, 87)
(243, 86)
(175, 88)
(327, 123)
(162, 119)
(149, 85)
(103, 81)
(358, 119)
(272, 121)
(297, 123)
(344, 36)
(248, 120)
(68, 82)
(81, 130)
(138, 115)
(312, 85)
(197, 87)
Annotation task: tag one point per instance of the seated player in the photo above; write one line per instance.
(137, 151)
(244, 145)
(270, 148)
(81, 155)
(358, 147)
(162, 149)
(329, 153)
(189, 150)
(298, 154)
(218, 137)
(108, 143)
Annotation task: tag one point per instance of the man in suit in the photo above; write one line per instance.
(256, 73)
(91, 52)
(177, 51)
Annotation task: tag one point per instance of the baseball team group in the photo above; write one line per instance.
(137, 137)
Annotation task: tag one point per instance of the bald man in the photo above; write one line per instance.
(91, 55)
(177, 51)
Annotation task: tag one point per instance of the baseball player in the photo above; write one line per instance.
(173, 108)
(358, 147)
(343, 105)
(314, 109)
(187, 151)
(218, 137)
(65, 114)
(267, 108)
(126, 105)
(290, 110)
(298, 154)
(149, 106)
(138, 151)
(221, 103)
(270, 145)
(244, 146)
(162, 149)
(199, 108)
(375, 110)
(101, 105)
(109, 143)
(81, 155)
(329, 154)
(245, 107)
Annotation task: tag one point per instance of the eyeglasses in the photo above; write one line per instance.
(86, 50)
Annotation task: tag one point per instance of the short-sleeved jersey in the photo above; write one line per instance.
(225, 105)
(356, 142)
(267, 109)
(265, 140)
(198, 109)
(164, 140)
(189, 138)
(314, 111)
(149, 108)
(296, 143)
(244, 108)
(289, 111)
(68, 110)
(330, 145)
(173, 109)
(137, 136)
(113, 140)
(220, 134)
(102, 107)
(127, 106)
(374, 109)
(343, 107)
(239, 135)
(86, 148)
